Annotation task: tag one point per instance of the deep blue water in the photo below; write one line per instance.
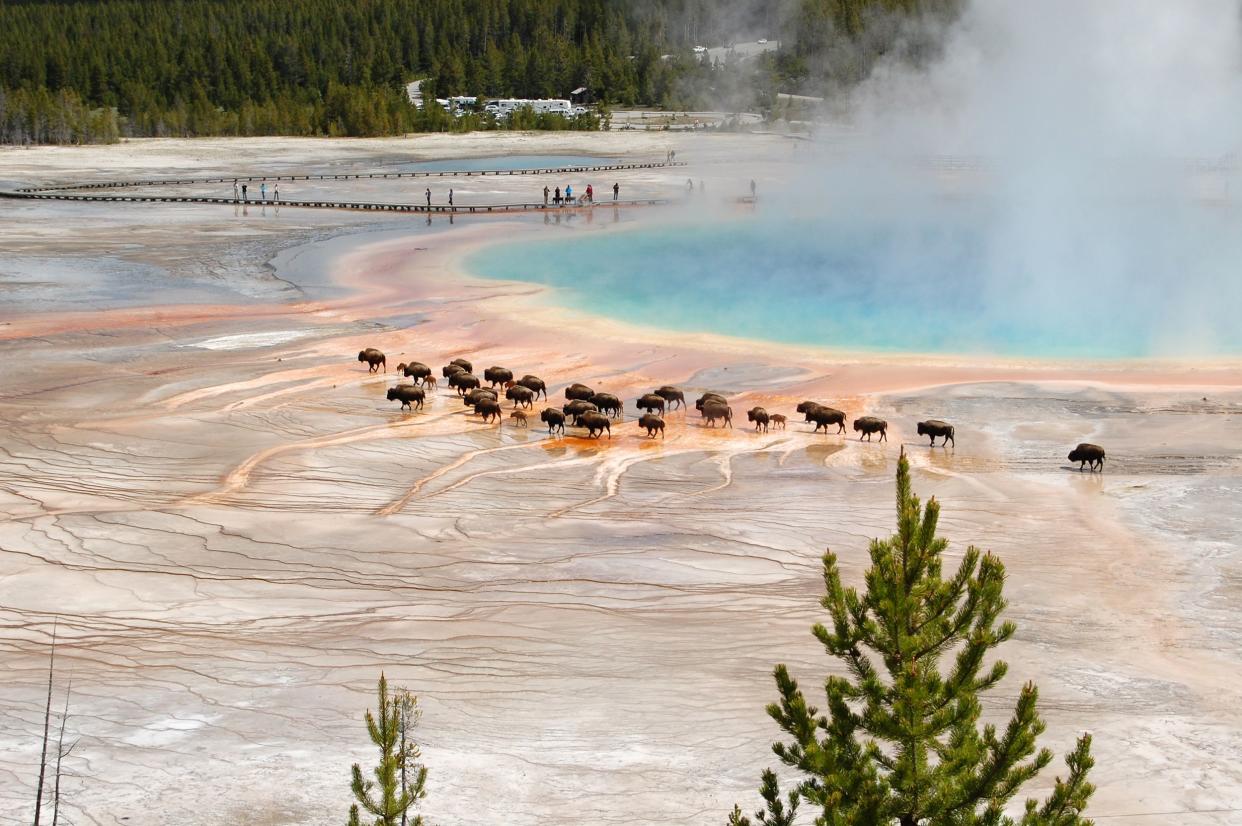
(953, 284)
(505, 162)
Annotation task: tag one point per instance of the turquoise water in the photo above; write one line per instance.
(955, 284)
(506, 162)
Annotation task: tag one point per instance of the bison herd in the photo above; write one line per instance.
(594, 411)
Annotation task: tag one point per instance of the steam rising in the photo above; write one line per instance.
(1092, 145)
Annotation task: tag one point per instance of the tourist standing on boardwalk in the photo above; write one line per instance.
(243, 193)
(263, 191)
(546, 192)
(752, 189)
(689, 186)
(590, 194)
(450, 196)
(234, 189)
(569, 194)
(276, 192)
(616, 190)
(556, 199)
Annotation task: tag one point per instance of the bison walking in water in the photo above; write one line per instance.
(1088, 454)
(374, 358)
(489, 409)
(576, 392)
(596, 424)
(463, 364)
(760, 417)
(534, 383)
(519, 417)
(778, 421)
(497, 375)
(607, 403)
(933, 428)
(463, 382)
(407, 394)
(870, 424)
(823, 416)
(651, 402)
(449, 369)
(579, 406)
(709, 397)
(520, 394)
(652, 424)
(713, 410)
(415, 370)
(554, 418)
(672, 395)
(478, 394)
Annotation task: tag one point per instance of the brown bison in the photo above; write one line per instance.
(933, 428)
(534, 383)
(870, 424)
(463, 364)
(374, 358)
(463, 382)
(519, 417)
(651, 402)
(576, 392)
(497, 375)
(672, 395)
(760, 417)
(825, 416)
(554, 418)
(595, 423)
(714, 410)
(407, 394)
(449, 369)
(472, 397)
(430, 382)
(520, 394)
(652, 424)
(1088, 454)
(607, 403)
(709, 397)
(489, 409)
(579, 406)
(415, 370)
(778, 420)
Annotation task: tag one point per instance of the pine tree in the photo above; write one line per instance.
(900, 742)
(398, 792)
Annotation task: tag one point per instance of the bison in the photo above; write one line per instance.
(374, 358)
(607, 403)
(463, 364)
(579, 406)
(407, 394)
(672, 394)
(596, 424)
(651, 423)
(519, 417)
(449, 369)
(554, 418)
(778, 421)
(497, 375)
(651, 402)
(463, 382)
(825, 416)
(488, 409)
(709, 397)
(760, 417)
(578, 392)
(415, 370)
(472, 397)
(870, 424)
(520, 394)
(714, 410)
(1088, 454)
(933, 428)
(534, 383)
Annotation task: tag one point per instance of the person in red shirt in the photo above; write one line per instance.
(590, 194)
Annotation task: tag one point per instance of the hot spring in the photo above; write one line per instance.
(963, 278)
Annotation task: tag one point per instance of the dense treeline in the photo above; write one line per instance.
(76, 70)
